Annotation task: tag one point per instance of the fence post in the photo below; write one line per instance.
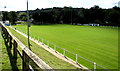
(38, 39)
(64, 52)
(95, 66)
(8, 38)
(29, 34)
(15, 52)
(34, 37)
(24, 32)
(76, 58)
(5, 32)
(48, 44)
(55, 48)
(15, 49)
(25, 61)
(42, 41)
(10, 41)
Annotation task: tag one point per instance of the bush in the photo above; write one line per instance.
(18, 22)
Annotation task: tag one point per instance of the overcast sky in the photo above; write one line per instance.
(15, 5)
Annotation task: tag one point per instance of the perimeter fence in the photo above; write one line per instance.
(75, 57)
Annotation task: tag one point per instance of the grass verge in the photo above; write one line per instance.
(6, 59)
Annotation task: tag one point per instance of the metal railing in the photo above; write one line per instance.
(79, 59)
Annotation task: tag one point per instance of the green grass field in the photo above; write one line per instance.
(47, 57)
(97, 44)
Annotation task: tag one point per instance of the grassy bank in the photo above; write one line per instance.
(6, 57)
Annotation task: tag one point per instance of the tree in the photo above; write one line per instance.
(22, 16)
(5, 15)
(114, 17)
(97, 15)
(12, 17)
(67, 14)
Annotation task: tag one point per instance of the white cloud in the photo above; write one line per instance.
(13, 4)
(33, 4)
(107, 3)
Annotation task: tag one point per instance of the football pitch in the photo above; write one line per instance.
(97, 44)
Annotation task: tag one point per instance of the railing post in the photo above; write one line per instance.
(34, 37)
(15, 52)
(15, 49)
(31, 36)
(64, 52)
(5, 33)
(38, 39)
(7, 36)
(42, 41)
(95, 66)
(76, 58)
(55, 48)
(25, 61)
(2, 30)
(48, 44)
(10, 41)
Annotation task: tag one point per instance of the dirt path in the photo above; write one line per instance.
(57, 54)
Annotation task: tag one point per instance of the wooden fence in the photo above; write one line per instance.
(25, 55)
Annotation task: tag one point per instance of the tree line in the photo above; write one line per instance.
(69, 15)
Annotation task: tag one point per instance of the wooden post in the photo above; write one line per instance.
(25, 61)
(2, 30)
(15, 49)
(7, 38)
(15, 52)
(5, 34)
(10, 42)
(95, 66)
